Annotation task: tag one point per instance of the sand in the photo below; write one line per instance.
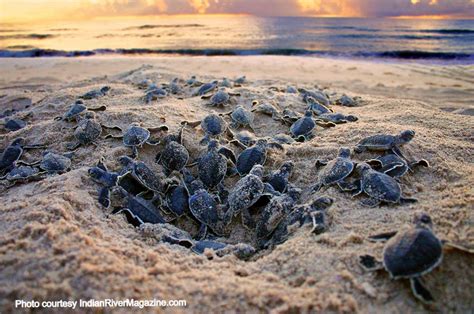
(58, 243)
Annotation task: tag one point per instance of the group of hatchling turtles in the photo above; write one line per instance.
(191, 190)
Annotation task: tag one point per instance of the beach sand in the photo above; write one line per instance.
(57, 242)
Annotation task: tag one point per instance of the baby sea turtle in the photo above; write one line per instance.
(107, 179)
(409, 254)
(316, 107)
(336, 170)
(225, 83)
(384, 142)
(221, 98)
(242, 251)
(23, 174)
(174, 155)
(14, 124)
(12, 153)
(282, 138)
(241, 117)
(379, 187)
(313, 213)
(213, 126)
(96, 93)
(395, 166)
(206, 88)
(266, 108)
(174, 86)
(247, 191)
(316, 96)
(76, 110)
(137, 209)
(273, 213)
(254, 155)
(302, 129)
(337, 118)
(177, 200)
(205, 209)
(240, 80)
(56, 163)
(346, 101)
(153, 93)
(279, 179)
(87, 131)
(136, 136)
(212, 166)
(243, 138)
(142, 173)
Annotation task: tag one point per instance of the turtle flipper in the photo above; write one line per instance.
(420, 291)
(104, 197)
(382, 236)
(419, 163)
(370, 263)
(408, 200)
(319, 222)
(320, 163)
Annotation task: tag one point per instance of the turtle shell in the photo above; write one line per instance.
(381, 186)
(246, 192)
(336, 170)
(75, 110)
(146, 176)
(135, 136)
(55, 163)
(206, 88)
(275, 211)
(21, 173)
(87, 131)
(212, 168)
(174, 156)
(302, 126)
(378, 142)
(15, 124)
(412, 253)
(250, 157)
(242, 116)
(11, 154)
(177, 200)
(221, 97)
(203, 206)
(213, 124)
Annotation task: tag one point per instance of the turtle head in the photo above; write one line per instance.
(257, 170)
(95, 173)
(406, 136)
(344, 152)
(322, 203)
(362, 167)
(287, 166)
(125, 160)
(105, 89)
(351, 118)
(212, 144)
(423, 220)
(18, 142)
(79, 102)
(308, 113)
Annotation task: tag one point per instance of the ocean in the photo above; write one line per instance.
(402, 39)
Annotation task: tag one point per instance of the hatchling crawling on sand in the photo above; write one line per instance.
(142, 173)
(213, 126)
(107, 179)
(395, 166)
(410, 253)
(266, 108)
(96, 93)
(302, 129)
(347, 101)
(87, 131)
(241, 117)
(177, 200)
(23, 174)
(206, 88)
(13, 152)
(385, 142)
(256, 154)
(337, 118)
(212, 166)
(315, 95)
(174, 155)
(316, 107)
(279, 179)
(380, 188)
(76, 109)
(154, 92)
(56, 163)
(336, 170)
(207, 211)
(220, 98)
(313, 213)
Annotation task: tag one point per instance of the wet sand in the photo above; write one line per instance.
(58, 243)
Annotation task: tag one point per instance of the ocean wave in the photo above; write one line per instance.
(398, 54)
(448, 31)
(28, 36)
(152, 26)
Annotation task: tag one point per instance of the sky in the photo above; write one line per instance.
(32, 10)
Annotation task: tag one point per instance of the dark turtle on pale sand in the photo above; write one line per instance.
(395, 166)
(12, 153)
(243, 138)
(76, 110)
(336, 170)
(240, 80)
(316, 107)
(206, 88)
(213, 126)
(241, 250)
(266, 108)
(23, 174)
(410, 253)
(14, 124)
(205, 209)
(247, 191)
(346, 101)
(282, 138)
(107, 179)
(221, 98)
(212, 166)
(254, 155)
(302, 129)
(177, 200)
(379, 187)
(241, 117)
(174, 155)
(313, 214)
(87, 131)
(56, 163)
(154, 92)
(142, 173)
(337, 118)
(279, 179)
(96, 93)
(315, 95)
(273, 213)
(385, 142)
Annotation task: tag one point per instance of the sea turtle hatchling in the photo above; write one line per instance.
(87, 131)
(96, 93)
(76, 109)
(142, 173)
(13, 152)
(14, 124)
(213, 126)
(336, 170)
(153, 93)
(380, 187)
(266, 108)
(206, 210)
(243, 138)
(56, 163)
(410, 253)
(206, 88)
(316, 107)
(220, 98)
(346, 101)
(395, 166)
(177, 200)
(212, 166)
(23, 174)
(256, 154)
(315, 95)
(337, 118)
(313, 213)
(174, 155)
(279, 179)
(302, 129)
(240, 80)
(385, 142)
(241, 117)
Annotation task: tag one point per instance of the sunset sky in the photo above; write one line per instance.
(32, 10)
